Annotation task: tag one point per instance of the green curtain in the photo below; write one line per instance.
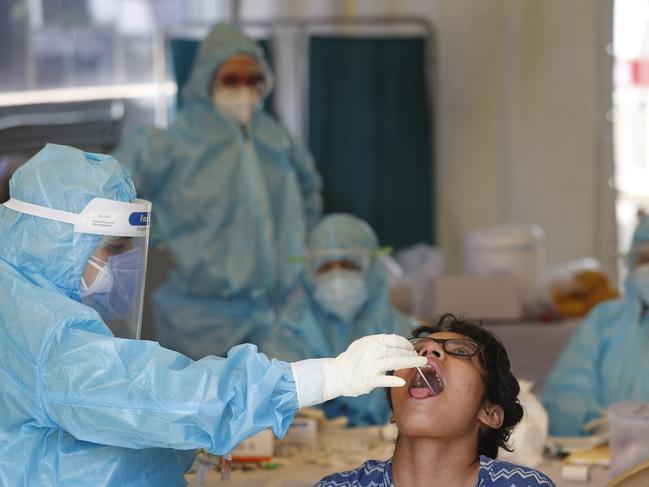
(183, 52)
(370, 133)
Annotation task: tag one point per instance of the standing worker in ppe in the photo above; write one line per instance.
(234, 196)
(607, 359)
(81, 406)
(345, 297)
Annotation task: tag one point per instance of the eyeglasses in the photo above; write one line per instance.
(460, 347)
(333, 265)
(256, 80)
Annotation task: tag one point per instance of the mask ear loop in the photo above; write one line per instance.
(380, 252)
(92, 262)
(296, 259)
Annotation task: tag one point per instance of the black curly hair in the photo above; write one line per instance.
(501, 387)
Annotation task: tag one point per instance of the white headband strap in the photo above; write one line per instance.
(100, 217)
(41, 211)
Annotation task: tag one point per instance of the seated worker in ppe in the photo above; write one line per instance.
(607, 359)
(81, 406)
(234, 196)
(345, 297)
(450, 432)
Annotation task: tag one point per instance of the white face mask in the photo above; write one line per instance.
(341, 292)
(237, 104)
(103, 280)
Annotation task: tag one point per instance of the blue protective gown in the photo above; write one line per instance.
(305, 329)
(232, 206)
(81, 407)
(606, 361)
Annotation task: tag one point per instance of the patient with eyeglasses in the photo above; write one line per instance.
(452, 417)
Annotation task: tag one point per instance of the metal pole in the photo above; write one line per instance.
(235, 12)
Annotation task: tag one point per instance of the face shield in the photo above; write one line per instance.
(321, 261)
(112, 238)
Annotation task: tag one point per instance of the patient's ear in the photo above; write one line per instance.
(491, 415)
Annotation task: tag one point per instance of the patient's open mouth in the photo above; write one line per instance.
(418, 387)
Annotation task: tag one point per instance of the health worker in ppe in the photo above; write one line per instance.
(82, 406)
(345, 297)
(234, 196)
(607, 359)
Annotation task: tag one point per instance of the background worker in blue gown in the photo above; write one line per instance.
(345, 297)
(234, 197)
(82, 406)
(607, 359)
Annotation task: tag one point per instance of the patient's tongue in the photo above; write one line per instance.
(420, 392)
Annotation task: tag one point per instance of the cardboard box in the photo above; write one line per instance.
(302, 432)
(257, 448)
(473, 297)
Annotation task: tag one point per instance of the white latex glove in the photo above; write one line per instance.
(362, 367)
(358, 370)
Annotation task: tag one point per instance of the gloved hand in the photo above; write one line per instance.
(356, 371)
(362, 367)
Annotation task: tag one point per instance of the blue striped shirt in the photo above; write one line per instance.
(493, 473)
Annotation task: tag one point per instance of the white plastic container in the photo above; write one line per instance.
(516, 250)
(629, 430)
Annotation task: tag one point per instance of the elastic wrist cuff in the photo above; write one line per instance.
(309, 381)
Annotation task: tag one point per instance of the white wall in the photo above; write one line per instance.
(521, 131)
(523, 135)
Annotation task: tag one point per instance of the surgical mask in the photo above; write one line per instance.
(641, 282)
(114, 290)
(341, 292)
(237, 104)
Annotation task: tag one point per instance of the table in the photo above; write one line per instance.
(345, 449)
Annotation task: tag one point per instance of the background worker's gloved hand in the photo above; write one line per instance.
(358, 370)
